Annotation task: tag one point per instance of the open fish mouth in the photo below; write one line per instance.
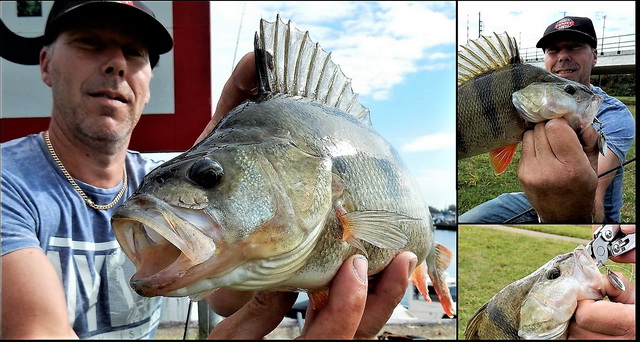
(181, 252)
(165, 243)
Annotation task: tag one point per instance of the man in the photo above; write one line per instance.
(63, 272)
(559, 169)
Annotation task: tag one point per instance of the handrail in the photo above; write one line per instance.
(624, 44)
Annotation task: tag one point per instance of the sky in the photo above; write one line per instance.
(400, 57)
(527, 20)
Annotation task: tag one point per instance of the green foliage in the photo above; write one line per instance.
(616, 84)
(29, 8)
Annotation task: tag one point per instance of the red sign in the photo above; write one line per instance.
(164, 132)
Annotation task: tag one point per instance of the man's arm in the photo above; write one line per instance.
(33, 302)
(605, 163)
(226, 302)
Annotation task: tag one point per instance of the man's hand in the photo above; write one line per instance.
(354, 309)
(557, 171)
(339, 318)
(606, 319)
(240, 86)
(630, 256)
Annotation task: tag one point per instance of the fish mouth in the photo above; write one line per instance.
(181, 252)
(167, 244)
(588, 273)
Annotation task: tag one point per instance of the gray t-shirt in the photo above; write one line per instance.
(619, 128)
(40, 209)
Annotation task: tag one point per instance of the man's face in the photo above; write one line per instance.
(570, 59)
(100, 78)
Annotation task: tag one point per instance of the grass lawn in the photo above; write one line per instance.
(477, 183)
(489, 260)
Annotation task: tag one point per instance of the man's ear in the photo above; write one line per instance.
(595, 58)
(44, 65)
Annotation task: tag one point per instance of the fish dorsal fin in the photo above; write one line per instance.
(485, 54)
(288, 62)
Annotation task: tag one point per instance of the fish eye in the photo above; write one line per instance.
(553, 273)
(569, 89)
(206, 173)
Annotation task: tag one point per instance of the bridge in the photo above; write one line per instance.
(616, 55)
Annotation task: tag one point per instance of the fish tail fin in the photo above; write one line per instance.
(288, 62)
(318, 299)
(419, 279)
(437, 264)
(501, 157)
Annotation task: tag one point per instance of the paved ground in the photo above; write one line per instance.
(423, 320)
(535, 233)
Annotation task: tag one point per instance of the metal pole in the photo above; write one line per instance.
(604, 18)
(207, 319)
(467, 29)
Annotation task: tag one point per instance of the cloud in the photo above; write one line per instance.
(527, 20)
(431, 142)
(376, 44)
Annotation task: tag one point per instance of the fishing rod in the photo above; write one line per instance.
(530, 210)
(186, 323)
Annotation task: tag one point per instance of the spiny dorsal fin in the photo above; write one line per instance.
(485, 54)
(288, 62)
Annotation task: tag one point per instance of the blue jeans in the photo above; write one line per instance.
(506, 208)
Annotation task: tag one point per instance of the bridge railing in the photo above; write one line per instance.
(609, 46)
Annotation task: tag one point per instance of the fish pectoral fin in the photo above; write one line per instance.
(378, 227)
(318, 299)
(501, 157)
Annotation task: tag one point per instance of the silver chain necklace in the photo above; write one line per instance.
(77, 187)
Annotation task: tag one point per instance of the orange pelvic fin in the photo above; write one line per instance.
(318, 299)
(443, 259)
(501, 157)
(419, 279)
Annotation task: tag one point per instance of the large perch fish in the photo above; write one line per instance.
(283, 190)
(539, 305)
(499, 97)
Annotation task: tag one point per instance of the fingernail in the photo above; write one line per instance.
(412, 265)
(360, 265)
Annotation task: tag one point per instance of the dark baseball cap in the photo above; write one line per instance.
(135, 14)
(569, 28)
